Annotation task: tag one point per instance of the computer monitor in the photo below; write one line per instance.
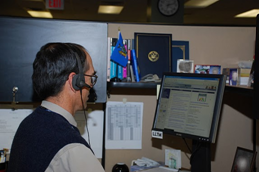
(189, 106)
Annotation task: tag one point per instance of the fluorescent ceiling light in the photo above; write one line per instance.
(109, 9)
(40, 14)
(250, 13)
(199, 3)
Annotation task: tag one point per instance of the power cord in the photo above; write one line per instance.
(193, 150)
(187, 145)
(197, 147)
(85, 118)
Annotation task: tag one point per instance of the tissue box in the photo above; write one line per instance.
(243, 76)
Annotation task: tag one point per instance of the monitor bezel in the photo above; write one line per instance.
(216, 111)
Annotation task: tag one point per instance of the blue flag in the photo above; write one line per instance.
(119, 54)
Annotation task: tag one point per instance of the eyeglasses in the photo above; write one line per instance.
(93, 79)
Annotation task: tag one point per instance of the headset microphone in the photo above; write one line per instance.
(84, 84)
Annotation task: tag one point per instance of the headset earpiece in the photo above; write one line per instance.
(74, 82)
(78, 80)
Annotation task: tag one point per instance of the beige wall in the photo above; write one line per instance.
(208, 45)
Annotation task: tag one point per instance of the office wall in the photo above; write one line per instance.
(208, 45)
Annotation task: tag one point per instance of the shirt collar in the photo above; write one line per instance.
(55, 108)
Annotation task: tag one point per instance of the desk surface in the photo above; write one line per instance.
(162, 169)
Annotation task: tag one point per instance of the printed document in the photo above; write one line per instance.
(95, 127)
(124, 125)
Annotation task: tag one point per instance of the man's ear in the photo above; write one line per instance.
(70, 81)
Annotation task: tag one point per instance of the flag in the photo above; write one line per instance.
(119, 54)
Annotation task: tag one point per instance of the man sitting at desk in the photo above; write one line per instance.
(48, 139)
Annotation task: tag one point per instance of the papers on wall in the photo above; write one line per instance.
(11, 119)
(9, 123)
(95, 127)
(124, 125)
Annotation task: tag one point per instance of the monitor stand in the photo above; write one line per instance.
(201, 156)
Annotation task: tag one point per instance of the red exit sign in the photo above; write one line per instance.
(55, 4)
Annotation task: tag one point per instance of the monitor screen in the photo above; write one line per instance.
(189, 105)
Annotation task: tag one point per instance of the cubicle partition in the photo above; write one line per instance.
(21, 39)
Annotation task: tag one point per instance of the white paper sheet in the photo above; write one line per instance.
(9, 122)
(95, 127)
(124, 125)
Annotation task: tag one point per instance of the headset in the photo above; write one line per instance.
(78, 80)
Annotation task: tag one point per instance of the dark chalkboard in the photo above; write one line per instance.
(21, 39)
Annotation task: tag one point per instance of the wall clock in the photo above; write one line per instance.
(168, 7)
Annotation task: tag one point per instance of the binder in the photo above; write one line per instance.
(153, 51)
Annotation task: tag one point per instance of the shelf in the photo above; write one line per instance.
(131, 88)
(243, 90)
(138, 85)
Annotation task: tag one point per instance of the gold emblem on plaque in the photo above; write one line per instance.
(153, 56)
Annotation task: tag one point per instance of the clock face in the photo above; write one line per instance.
(168, 7)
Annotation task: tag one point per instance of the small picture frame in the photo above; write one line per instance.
(244, 160)
(233, 76)
(207, 69)
(173, 158)
(185, 66)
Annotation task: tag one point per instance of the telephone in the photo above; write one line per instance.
(145, 162)
(150, 78)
